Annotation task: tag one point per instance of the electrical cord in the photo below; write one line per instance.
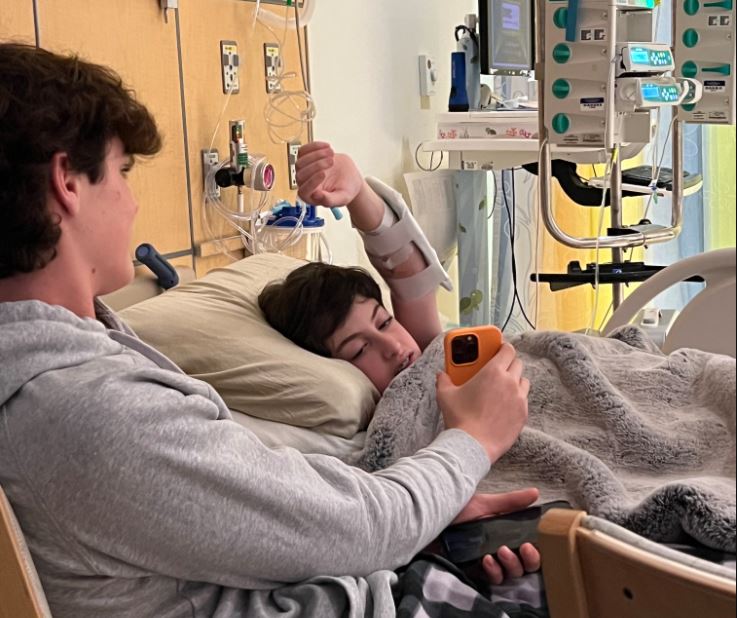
(288, 112)
(474, 37)
(432, 158)
(600, 229)
(493, 206)
(512, 219)
(516, 291)
(606, 316)
(660, 167)
(602, 208)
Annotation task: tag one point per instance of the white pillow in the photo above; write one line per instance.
(214, 330)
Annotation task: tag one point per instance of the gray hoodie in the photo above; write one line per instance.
(139, 496)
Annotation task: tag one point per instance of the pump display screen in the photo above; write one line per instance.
(651, 93)
(639, 56)
(655, 57)
(506, 33)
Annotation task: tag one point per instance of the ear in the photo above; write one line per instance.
(65, 184)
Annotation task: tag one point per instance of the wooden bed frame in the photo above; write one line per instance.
(589, 573)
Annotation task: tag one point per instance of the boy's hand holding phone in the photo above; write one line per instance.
(500, 544)
(505, 563)
(491, 405)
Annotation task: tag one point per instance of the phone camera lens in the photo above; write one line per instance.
(465, 349)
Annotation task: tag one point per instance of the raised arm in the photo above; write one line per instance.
(394, 242)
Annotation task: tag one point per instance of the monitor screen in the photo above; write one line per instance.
(507, 32)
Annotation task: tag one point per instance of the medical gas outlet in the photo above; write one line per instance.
(244, 170)
(258, 175)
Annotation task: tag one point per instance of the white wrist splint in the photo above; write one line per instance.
(391, 244)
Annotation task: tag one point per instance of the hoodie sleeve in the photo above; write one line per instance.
(138, 476)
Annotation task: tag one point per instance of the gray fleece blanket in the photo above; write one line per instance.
(616, 428)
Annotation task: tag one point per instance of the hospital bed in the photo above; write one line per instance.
(598, 569)
(708, 321)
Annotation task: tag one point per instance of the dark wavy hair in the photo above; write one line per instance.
(50, 104)
(313, 302)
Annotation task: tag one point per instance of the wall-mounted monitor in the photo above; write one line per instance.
(507, 35)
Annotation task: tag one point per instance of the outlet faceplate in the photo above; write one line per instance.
(292, 152)
(210, 159)
(272, 61)
(230, 63)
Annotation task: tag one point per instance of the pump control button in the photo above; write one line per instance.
(689, 69)
(691, 7)
(560, 17)
(690, 37)
(561, 88)
(561, 53)
(561, 123)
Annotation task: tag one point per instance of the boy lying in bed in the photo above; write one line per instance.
(608, 418)
(341, 310)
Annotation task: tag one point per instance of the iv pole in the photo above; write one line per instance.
(615, 243)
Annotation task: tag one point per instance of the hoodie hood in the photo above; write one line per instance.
(36, 338)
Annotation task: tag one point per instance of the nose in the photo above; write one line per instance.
(390, 347)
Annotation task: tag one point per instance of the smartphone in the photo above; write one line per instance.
(468, 542)
(469, 349)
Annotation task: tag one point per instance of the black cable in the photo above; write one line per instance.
(493, 206)
(516, 287)
(512, 219)
(432, 158)
(511, 242)
(474, 38)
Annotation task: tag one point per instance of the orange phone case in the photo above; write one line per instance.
(490, 341)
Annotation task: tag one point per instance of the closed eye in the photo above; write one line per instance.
(358, 354)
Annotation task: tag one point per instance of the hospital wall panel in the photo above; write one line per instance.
(16, 21)
(201, 34)
(173, 65)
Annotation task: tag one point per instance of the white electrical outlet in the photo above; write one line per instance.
(428, 76)
(272, 62)
(210, 159)
(230, 63)
(292, 153)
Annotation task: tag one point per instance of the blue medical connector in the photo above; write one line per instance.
(165, 273)
(285, 210)
(286, 215)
